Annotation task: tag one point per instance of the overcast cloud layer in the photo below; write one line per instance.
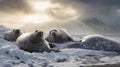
(102, 16)
(11, 6)
(96, 16)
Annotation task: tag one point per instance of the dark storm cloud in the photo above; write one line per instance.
(95, 5)
(92, 2)
(115, 3)
(14, 5)
(100, 15)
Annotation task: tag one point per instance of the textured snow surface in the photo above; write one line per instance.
(12, 56)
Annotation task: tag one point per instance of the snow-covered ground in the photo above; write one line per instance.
(12, 56)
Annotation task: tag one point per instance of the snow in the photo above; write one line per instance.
(12, 56)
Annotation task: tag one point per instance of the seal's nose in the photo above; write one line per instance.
(40, 34)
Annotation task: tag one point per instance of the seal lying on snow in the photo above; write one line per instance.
(96, 42)
(12, 35)
(58, 36)
(33, 42)
(100, 43)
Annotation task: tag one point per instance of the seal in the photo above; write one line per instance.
(59, 36)
(33, 42)
(97, 42)
(12, 35)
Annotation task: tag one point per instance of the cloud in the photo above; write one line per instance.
(95, 5)
(98, 16)
(11, 6)
(102, 16)
(92, 2)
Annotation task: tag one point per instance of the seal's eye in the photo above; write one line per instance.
(54, 34)
(40, 33)
(17, 31)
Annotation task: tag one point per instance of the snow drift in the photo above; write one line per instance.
(12, 56)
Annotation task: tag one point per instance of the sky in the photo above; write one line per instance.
(77, 16)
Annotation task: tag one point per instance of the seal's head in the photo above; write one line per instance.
(17, 32)
(54, 33)
(39, 34)
(12, 35)
(37, 37)
(58, 36)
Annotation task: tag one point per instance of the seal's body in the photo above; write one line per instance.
(12, 35)
(58, 36)
(33, 42)
(96, 42)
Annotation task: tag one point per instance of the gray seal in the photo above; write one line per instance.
(59, 36)
(33, 42)
(97, 42)
(12, 35)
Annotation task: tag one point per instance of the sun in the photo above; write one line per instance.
(41, 5)
(39, 14)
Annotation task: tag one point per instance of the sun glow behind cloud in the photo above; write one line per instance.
(63, 13)
(36, 18)
(43, 11)
(48, 11)
(42, 5)
(40, 12)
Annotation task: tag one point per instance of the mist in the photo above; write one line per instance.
(77, 16)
